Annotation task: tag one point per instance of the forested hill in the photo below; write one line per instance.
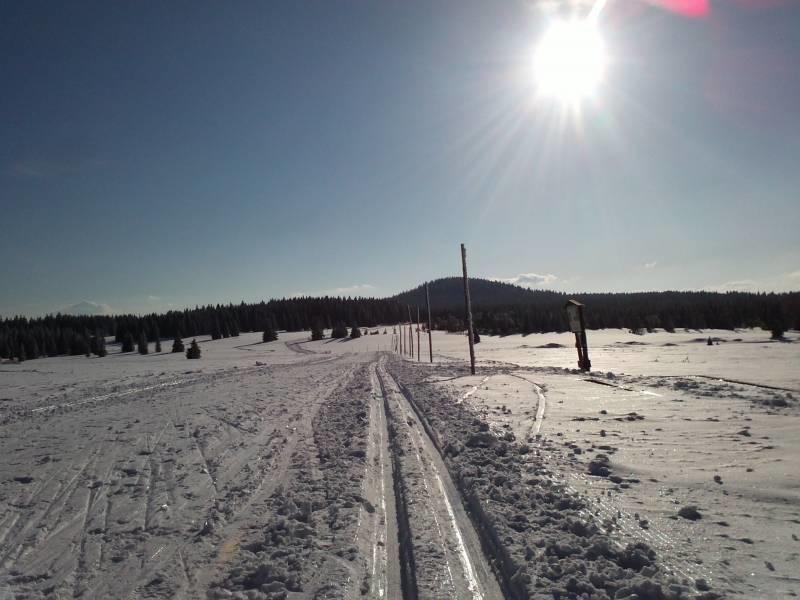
(498, 308)
(448, 293)
(503, 308)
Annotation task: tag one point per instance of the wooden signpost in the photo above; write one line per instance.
(577, 325)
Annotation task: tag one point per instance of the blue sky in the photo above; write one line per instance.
(159, 155)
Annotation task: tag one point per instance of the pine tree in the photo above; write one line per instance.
(142, 347)
(158, 344)
(270, 335)
(98, 345)
(216, 332)
(21, 357)
(317, 332)
(193, 351)
(339, 331)
(127, 342)
(355, 332)
(177, 344)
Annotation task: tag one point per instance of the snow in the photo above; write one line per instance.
(158, 476)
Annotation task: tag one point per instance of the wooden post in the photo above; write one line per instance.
(430, 339)
(469, 310)
(410, 332)
(587, 364)
(419, 353)
(400, 337)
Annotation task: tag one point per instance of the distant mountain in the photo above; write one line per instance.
(448, 294)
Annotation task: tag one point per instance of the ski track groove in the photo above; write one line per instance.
(450, 539)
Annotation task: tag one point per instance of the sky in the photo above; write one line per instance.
(166, 154)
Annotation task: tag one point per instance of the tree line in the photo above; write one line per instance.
(502, 309)
(498, 309)
(55, 335)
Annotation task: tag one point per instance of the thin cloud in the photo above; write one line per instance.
(87, 308)
(650, 265)
(742, 285)
(529, 280)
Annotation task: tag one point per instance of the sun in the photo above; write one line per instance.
(570, 61)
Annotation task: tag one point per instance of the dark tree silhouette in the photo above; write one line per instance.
(269, 335)
(317, 332)
(127, 343)
(98, 345)
(142, 346)
(355, 332)
(193, 351)
(177, 344)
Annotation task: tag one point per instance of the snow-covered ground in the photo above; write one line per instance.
(332, 469)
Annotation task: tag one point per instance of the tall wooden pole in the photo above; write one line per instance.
(469, 310)
(400, 337)
(419, 353)
(430, 340)
(410, 333)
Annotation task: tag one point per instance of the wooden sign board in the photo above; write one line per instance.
(574, 317)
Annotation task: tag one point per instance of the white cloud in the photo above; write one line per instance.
(742, 285)
(153, 298)
(359, 289)
(87, 308)
(529, 280)
(793, 275)
(650, 265)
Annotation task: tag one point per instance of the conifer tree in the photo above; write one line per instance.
(193, 350)
(355, 332)
(216, 332)
(270, 335)
(127, 342)
(339, 331)
(142, 347)
(98, 345)
(177, 344)
(317, 332)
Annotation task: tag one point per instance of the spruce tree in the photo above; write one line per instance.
(216, 332)
(177, 344)
(127, 342)
(317, 332)
(193, 351)
(158, 344)
(270, 335)
(339, 331)
(142, 347)
(355, 332)
(99, 345)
